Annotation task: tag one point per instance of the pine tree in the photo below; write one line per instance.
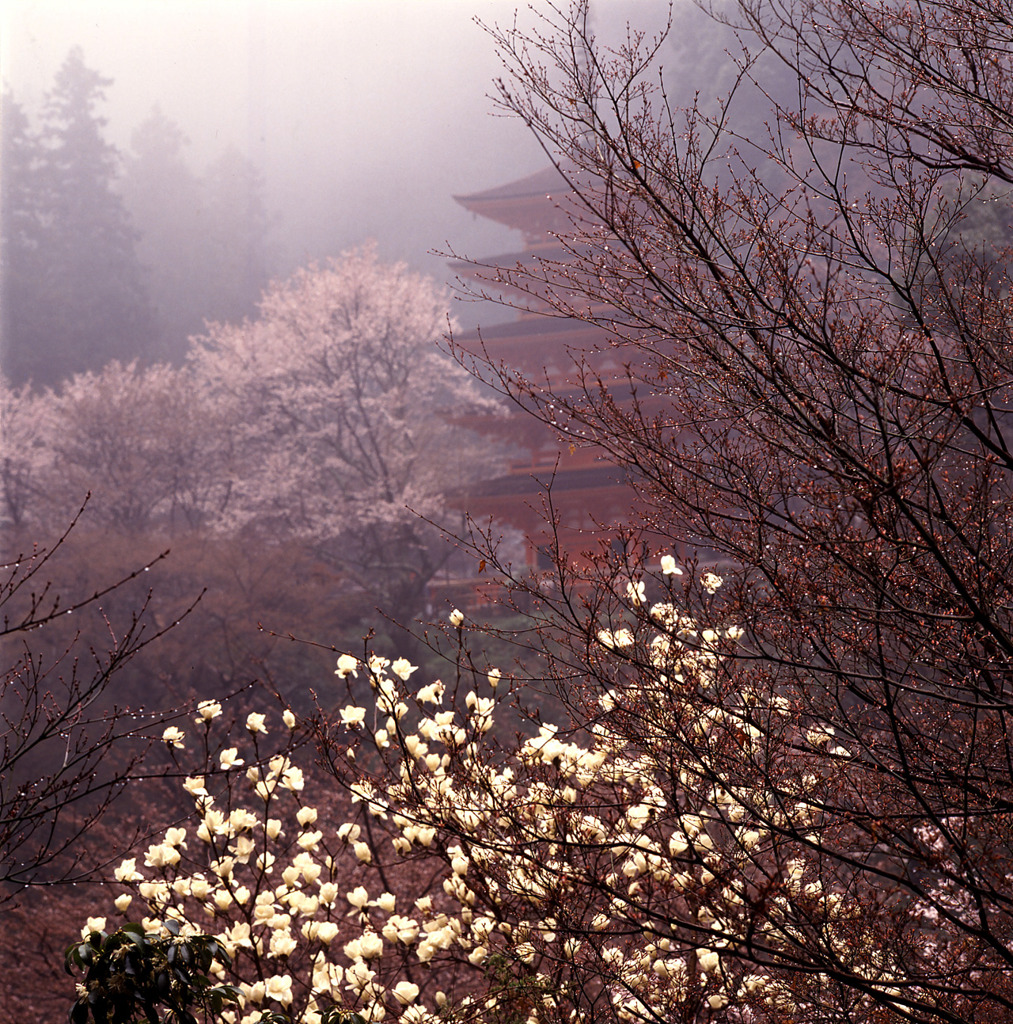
(165, 201)
(86, 295)
(234, 240)
(20, 238)
(202, 238)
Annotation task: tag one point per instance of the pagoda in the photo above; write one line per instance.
(547, 476)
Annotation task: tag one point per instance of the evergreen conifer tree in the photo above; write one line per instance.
(82, 292)
(20, 237)
(166, 203)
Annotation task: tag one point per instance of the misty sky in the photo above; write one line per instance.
(365, 116)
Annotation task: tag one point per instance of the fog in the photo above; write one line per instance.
(250, 140)
(363, 117)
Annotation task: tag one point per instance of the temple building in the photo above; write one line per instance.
(586, 494)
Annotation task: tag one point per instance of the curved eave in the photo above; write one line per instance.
(548, 179)
(530, 204)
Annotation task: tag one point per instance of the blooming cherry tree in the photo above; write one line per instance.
(347, 414)
(23, 426)
(147, 443)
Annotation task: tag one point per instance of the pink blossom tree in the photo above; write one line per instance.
(22, 425)
(347, 413)
(147, 443)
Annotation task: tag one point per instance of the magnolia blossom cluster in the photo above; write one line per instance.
(280, 886)
(610, 871)
(585, 860)
(255, 868)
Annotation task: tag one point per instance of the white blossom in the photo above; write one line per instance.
(173, 736)
(347, 666)
(669, 566)
(711, 581)
(255, 722)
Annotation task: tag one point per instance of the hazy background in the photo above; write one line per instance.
(365, 117)
(344, 121)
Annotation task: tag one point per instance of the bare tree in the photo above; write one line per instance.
(816, 408)
(68, 746)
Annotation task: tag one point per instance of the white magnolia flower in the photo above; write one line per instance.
(255, 722)
(127, 871)
(403, 668)
(349, 832)
(352, 715)
(174, 736)
(161, 855)
(175, 836)
(668, 566)
(708, 960)
(194, 784)
(310, 840)
(711, 581)
(620, 638)
(431, 694)
(456, 618)
(229, 758)
(347, 666)
(358, 977)
(370, 945)
(207, 710)
(358, 897)
(282, 943)
(199, 887)
(405, 992)
(279, 988)
(241, 819)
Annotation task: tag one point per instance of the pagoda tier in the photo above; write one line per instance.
(547, 468)
(535, 205)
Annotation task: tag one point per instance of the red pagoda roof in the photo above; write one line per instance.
(525, 205)
(536, 185)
